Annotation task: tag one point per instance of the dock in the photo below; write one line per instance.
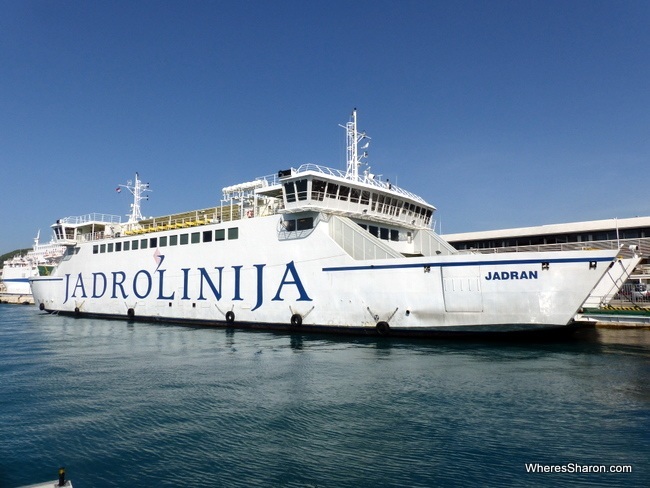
(16, 299)
(633, 317)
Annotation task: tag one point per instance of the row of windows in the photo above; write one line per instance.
(164, 241)
(382, 232)
(298, 191)
(305, 223)
(610, 235)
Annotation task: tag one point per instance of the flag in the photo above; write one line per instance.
(118, 189)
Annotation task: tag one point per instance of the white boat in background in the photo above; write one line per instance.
(61, 482)
(17, 270)
(310, 249)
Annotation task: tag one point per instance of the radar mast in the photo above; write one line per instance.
(136, 189)
(353, 139)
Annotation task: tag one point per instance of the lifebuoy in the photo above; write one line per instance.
(249, 214)
(383, 328)
(296, 320)
(230, 316)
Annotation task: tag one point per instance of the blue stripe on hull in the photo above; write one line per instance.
(465, 263)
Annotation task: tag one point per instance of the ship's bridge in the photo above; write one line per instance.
(318, 188)
(69, 230)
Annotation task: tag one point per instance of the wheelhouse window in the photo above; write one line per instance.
(301, 188)
(373, 202)
(290, 192)
(318, 190)
(332, 190)
(380, 203)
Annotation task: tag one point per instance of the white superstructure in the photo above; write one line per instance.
(310, 248)
(17, 270)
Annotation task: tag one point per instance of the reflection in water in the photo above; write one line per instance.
(238, 408)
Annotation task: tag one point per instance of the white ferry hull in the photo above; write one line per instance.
(311, 249)
(310, 283)
(16, 279)
(17, 271)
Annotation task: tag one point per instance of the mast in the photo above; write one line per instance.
(136, 190)
(353, 139)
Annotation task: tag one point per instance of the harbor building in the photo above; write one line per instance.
(628, 234)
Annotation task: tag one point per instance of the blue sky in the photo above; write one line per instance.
(499, 113)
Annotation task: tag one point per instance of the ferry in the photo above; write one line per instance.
(17, 270)
(306, 249)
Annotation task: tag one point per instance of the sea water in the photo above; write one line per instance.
(122, 404)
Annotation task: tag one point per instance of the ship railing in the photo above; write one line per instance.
(627, 247)
(91, 217)
(369, 179)
(225, 213)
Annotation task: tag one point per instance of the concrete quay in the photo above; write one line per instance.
(16, 299)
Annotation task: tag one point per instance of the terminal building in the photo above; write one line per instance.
(630, 235)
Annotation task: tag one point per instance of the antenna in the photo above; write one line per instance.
(354, 138)
(136, 190)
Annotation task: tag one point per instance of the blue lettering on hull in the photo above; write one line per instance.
(511, 275)
(119, 285)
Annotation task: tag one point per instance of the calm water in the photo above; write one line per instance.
(141, 405)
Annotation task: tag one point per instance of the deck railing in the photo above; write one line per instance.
(639, 245)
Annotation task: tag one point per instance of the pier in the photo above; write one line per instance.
(17, 299)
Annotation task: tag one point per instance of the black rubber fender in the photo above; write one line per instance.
(383, 328)
(296, 320)
(230, 317)
(130, 313)
(41, 306)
